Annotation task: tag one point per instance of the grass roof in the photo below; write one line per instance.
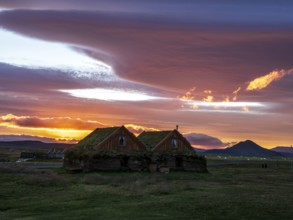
(96, 137)
(152, 138)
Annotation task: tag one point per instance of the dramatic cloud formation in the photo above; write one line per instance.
(69, 66)
(209, 98)
(264, 81)
(111, 94)
(235, 93)
(53, 122)
(201, 102)
(137, 129)
(188, 96)
(204, 141)
(36, 54)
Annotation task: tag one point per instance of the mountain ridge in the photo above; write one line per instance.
(32, 145)
(245, 148)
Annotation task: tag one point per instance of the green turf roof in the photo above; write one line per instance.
(152, 138)
(96, 137)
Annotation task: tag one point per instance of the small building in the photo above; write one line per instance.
(170, 150)
(107, 149)
(56, 153)
(116, 148)
(33, 155)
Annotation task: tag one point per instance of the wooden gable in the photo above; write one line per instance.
(121, 140)
(174, 142)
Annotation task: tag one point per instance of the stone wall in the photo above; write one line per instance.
(103, 164)
(194, 165)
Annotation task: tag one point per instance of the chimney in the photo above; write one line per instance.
(177, 127)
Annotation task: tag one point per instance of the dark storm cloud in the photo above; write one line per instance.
(59, 122)
(225, 12)
(155, 51)
(150, 53)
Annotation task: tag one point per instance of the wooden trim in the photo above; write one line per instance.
(184, 140)
(134, 138)
(127, 133)
(163, 140)
(110, 135)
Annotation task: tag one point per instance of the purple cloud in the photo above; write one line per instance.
(204, 140)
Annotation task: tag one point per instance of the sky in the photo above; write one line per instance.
(221, 70)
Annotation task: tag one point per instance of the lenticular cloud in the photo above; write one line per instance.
(32, 53)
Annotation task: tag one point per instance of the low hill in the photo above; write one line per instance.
(32, 145)
(245, 148)
(199, 150)
(285, 151)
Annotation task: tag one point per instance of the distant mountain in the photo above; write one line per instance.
(32, 145)
(285, 151)
(245, 148)
(199, 150)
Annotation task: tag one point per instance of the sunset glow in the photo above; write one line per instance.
(222, 71)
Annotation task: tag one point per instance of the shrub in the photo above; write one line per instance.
(164, 189)
(137, 187)
(97, 179)
(15, 168)
(45, 178)
(187, 185)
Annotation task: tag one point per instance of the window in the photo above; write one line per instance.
(174, 143)
(122, 141)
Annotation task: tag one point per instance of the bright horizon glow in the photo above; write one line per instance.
(25, 52)
(52, 132)
(111, 94)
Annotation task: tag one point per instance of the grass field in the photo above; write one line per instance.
(226, 192)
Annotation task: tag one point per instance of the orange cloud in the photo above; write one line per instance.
(227, 99)
(188, 96)
(195, 106)
(235, 93)
(209, 98)
(245, 108)
(137, 129)
(64, 129)
(264, 81)
(52, 122)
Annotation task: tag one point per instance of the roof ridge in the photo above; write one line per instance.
(152, 138)
(97, 136)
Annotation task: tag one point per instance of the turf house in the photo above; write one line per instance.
(171, 151)
(117, 149)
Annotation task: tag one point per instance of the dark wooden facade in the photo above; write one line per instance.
(122, 141)
(107, 149)
(114, 149)
(174, 142)
(171, 151)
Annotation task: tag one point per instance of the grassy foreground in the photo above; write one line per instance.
(226, 192)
